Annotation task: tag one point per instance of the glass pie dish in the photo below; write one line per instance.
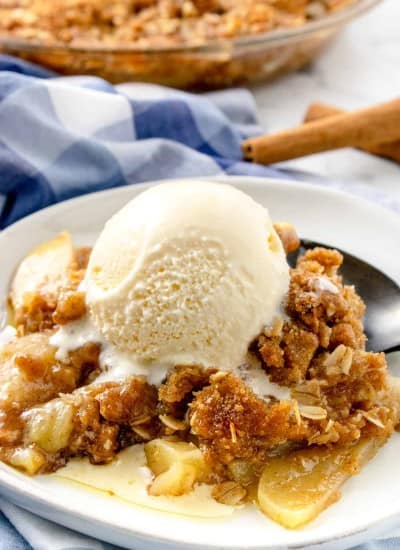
(219, 63)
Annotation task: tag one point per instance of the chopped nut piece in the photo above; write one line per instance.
(139, 421)
(330, 425)
(374, 419)
(296, 411)
(142, 432)
(339, 360)
(276, 329)
(218, 376)
(288, 235)
(308, 393)
(233, 432)
(173, 423)
(313, 413)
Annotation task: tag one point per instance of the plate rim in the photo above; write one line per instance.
(7, 473)
(222, 178)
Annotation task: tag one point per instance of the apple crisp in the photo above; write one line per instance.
(153, 23)
(200, 425)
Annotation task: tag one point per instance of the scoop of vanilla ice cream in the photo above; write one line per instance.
(187, 273)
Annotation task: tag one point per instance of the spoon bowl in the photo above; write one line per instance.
(380, 294)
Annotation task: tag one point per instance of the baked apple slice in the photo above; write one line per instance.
(177, 466)
(38, 281)
(295, 489)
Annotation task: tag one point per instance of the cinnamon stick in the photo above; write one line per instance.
(317, 111)
(363, 128)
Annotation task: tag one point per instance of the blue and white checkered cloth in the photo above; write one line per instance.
(63, 137)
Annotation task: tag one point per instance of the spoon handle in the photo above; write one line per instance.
(393, 349)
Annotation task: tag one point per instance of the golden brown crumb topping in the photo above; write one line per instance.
(158, 23)
(111, 416)
(317, 298)
(177, 391)
(31, 374)
(71, 306)
(55, 410)
(232, 422)
(50, 305)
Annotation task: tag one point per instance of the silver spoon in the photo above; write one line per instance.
(380, 294)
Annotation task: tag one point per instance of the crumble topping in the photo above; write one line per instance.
(53, 407)
(149, 23)
(53, 303)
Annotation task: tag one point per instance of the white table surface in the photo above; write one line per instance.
(360, 68)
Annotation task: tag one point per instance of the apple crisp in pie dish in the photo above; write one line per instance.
(190, 44)
(183, 349)
(154, 23)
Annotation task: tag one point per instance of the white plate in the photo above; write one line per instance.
(370, 501)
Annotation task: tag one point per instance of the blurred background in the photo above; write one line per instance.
(345, 53)
(360, 68)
